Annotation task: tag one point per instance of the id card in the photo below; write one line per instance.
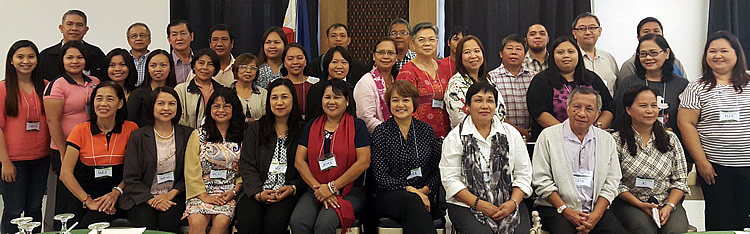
(327, 163)
(32, 126)
(277, 168)
(729, 116)
(218, 174)
(105, 172)
(414, 173)
(486, 174)
(437, 103)
(583, 179)
(644, 183)
(164, 177)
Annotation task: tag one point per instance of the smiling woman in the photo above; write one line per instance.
(196, 91)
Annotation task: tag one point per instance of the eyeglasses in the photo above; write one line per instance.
(225, 107)
(652, 53)
(402, 33)
(423, 40)
(243, 67)
(136, 36)
(590, 28)
(384, 52)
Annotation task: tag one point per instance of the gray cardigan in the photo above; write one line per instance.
(552, 170)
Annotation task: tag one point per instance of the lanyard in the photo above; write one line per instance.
(322, 145)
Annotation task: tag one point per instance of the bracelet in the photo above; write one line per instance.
(257, 196)
(476, 202)
(233, 192)
(670, 204)
(516, 202)
(118, 189)
(294, 190)
(330, 187)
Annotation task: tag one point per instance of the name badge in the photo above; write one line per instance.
(218, 174)
(277, 168)
(437, 103)
(583, 179)
(486, 175)
(729, 116)
(32, 126)
(105, 172)
(644, 183)
(164, 177)
(414, 173)
(328, 163)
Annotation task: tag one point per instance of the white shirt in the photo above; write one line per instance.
(604, 65)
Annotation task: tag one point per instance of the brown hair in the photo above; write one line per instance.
(405, 89)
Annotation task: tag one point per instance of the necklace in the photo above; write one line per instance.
(164, 137)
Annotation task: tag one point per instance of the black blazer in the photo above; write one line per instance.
(50, 66)
(256, 157)
(140, 164)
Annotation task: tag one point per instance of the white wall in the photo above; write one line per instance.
(37, 20)
(685, 25)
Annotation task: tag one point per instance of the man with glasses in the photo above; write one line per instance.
(139, 38)
(73, 28)
(180, 36)
(337, 35)
(646, 26)
(400, 31)
(222, 42)
(586, 30)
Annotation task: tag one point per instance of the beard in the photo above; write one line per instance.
(537, 49)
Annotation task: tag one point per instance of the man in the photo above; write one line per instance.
(536, 57)
(338, 35)
(400, 31)
(458, 32)
(576, 170)
(139, 38)
(180, 35)
(512, 80)
(222, 42)
(73, 28)
(646, 26)
(586, 30)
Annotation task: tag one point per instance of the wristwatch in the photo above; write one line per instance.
(561, 208)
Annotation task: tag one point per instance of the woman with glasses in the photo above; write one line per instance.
(252, 97)
(370, 90)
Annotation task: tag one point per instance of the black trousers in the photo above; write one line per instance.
(407, 209)
(257, 217)
(727, 206)
(557, 223)
(143, 215)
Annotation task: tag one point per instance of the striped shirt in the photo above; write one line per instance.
(724, 140)
(513, 90)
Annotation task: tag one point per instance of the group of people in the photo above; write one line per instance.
(280, 141)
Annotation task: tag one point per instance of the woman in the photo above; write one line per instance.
(92, 168)
(295, 65)
(715, 133)
(470, 69)
(405, 157)
(654, 171)
(553, 86)
(486, 170)
(154, 192)
(270, 189)
(24, 136)
(120, 63)
(252, 97)
(458, 32)
(194, 93)
(370, 90)
(336, 63)
(271, 60)
(339, 152)
(159, 73)
(211, 157)
(430, 78)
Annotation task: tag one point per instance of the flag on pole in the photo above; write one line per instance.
(290, 21)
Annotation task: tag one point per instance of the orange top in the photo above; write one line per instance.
(101, 149)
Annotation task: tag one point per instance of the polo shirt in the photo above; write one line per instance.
(97, 148)
(76, 99)
(24, 145)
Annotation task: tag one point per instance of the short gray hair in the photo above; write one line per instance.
(423, 25)
(585, 90)
(399, 21)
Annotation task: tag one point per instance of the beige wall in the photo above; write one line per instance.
(331, 12)
(422, 10)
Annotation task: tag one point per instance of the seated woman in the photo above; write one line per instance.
(486, 169)
(405, 157)
(154, 192)
(211, 164)
(159, 72)
(270, 182)
(654, 171)
(370, 90)
(333, 151)
(92, 168)
(253, 100)
(194, 92)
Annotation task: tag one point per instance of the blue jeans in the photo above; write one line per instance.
(25, 194)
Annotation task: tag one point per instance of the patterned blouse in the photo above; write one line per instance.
(455, 99)
(266, 75)
(431, 93)
(666, 170)
(277, 179)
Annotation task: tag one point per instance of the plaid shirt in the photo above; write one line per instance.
(140, 65)
(668, 170)
(409, 56)
(513, 90)
(531, 63)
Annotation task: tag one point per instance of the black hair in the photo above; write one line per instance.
(171, 77)
(584, 15)
(460, 61)
(514, 37)
(214, 58)
(221, 27)
(178, 22)
(137, 24)
(237, 123)
(121, 113)
(132, 77)
(667, 69)
(75, 12)
(480, 87)
(644, 21)
(267, 130)
(627, 135)
(739, 75)
(458, 29)
(273, 29)
(77, 45)
(328, 57)
(150, 119)
(340, 87)
(394, 70)
(335, 26)
(12, 90)
(283, 70)
(580, 75)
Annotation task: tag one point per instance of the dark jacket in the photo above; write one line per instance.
(137, 105)
(140, 164)
(256, 157)
(357, 69)
(50, 65)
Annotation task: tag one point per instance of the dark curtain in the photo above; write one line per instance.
(247, 18)
(491, 21)
(731, 15)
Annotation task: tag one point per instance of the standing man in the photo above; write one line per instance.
(73, 28)
(337, 35)
(536, 57)
(180, 35)
(222, 42)
(400, 31)
(646, 26)
(139, 38)
(586, 30)
(512, 81)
